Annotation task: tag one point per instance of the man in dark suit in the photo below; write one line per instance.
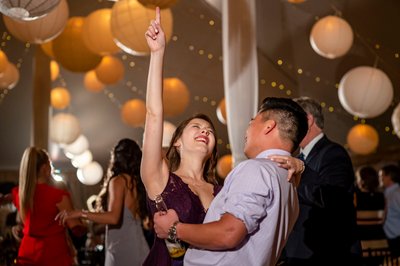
(324, 232)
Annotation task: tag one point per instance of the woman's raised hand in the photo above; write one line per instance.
(155, 35)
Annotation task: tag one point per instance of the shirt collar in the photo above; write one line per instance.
(309, 146)
(266, 153)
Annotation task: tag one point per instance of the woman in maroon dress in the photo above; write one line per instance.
(45, 240)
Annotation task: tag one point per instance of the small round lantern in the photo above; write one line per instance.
(92, 83)
(91, 174)
(176, 96)
(110, 70)
(60, 98)
(64, 128)
(10, 77)
(331, 37)
(363, 139)
(396, 120)
(133, 113)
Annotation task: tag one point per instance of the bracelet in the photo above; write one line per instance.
(172, 232)
(84, 214)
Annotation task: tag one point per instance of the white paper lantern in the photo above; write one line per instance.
(77, 147)
(365, 92)
(221, 111)
(331, 37)
(41, 30)
(27, 9)
(168, 132)
(64, 128)
(91, 174)
(396, 120)
(83, 159)
(10, 77)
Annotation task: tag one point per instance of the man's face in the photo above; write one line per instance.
(384, 180)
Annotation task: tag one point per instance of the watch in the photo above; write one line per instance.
(172, 232)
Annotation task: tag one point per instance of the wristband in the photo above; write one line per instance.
(172, 232)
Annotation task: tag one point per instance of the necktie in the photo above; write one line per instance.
(301, 156)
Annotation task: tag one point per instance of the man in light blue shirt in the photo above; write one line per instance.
(249, 221)
(390, 179)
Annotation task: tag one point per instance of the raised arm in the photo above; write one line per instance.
(154, 170)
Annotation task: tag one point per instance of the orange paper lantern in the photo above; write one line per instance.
(70, 50)
(40, 30)
(129, 22)
(92, 83)
(47, 48)
(54, 70)
(60, 98)
(110, 70)
(224, 165)
(176, 96)
(134, 113)
(363, 139)
(97, 32)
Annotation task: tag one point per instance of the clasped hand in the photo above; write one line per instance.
(163, 222)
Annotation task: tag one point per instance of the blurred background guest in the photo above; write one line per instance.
(122, 206)
(390, 177)
(44, 241)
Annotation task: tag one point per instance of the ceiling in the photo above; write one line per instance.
(282, 34)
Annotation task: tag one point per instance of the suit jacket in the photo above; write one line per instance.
(327, 219)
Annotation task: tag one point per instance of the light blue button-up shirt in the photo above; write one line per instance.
(391, 225)
(258, 193)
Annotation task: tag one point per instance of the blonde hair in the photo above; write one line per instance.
(31, 162)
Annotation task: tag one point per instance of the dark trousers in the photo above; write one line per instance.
(394, 246)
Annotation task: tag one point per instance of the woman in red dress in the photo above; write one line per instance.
(45, 240)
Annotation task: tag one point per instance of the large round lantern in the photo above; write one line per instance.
(91, 174)
(41, 30)
(224, 165)
(10, 77)
(176, 96)
(396, 120)
(27, 10)
(221, 111)
(133, 113)
(365, 92)
(3, 62)
(168, 132)
(70, 50)
(83, 159)
(331, 37)
(362, 139)
(60, 98)
(129, 22)
(97, 32)
(92, 83)
(110, 70)
(160, 3)
(77, 147)
(64, 128)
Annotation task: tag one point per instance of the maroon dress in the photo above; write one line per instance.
(178, 196)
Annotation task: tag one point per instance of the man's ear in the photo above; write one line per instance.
(310, 120)
(269, 125)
